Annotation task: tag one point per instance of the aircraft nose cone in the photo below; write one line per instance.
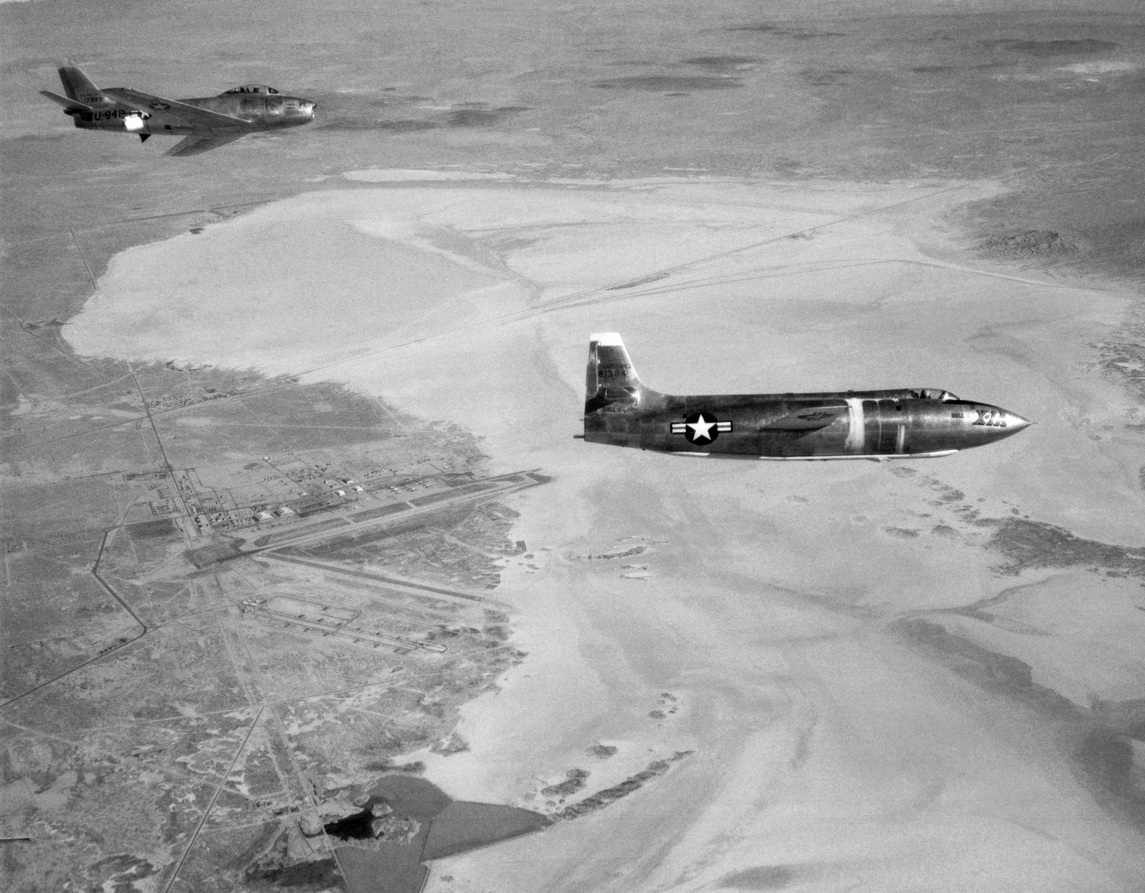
(994, 423)
(1015, 423)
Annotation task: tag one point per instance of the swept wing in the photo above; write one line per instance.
(162, 110)
(204, 142)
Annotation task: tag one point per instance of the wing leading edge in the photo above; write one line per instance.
(216, 129)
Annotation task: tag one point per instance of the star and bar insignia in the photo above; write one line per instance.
(701, 428)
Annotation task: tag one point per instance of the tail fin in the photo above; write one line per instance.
(80, 88)
(611, 381)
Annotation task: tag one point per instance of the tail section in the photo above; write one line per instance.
(611, 382)
(70, 105)
(615, 400)
(80, 88)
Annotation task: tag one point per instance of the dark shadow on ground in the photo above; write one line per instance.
(407, 821)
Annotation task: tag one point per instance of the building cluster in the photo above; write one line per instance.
(171, 401)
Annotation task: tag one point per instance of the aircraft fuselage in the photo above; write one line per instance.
(262, 111)
(872, 424)
(902, 423)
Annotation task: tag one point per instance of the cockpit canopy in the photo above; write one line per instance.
(251, 88)
(936, 394)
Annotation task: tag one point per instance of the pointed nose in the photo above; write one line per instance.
(1014, 422)
(994, 423)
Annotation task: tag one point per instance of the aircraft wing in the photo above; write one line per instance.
(161, 109)
(810, 419)
(197, 143)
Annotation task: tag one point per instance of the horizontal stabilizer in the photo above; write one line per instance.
(69, 104)
(810, 419)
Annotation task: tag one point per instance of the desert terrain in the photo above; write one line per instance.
(293, 504)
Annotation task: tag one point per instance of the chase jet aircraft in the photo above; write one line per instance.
(896, 424)
(207, 123)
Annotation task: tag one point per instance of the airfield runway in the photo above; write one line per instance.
(781, 610)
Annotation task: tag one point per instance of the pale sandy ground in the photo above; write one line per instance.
(828, 755)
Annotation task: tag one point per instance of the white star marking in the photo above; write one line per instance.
(700, 428)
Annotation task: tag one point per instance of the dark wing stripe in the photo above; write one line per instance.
(806, 419)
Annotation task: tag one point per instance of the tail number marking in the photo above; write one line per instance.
(109, 114)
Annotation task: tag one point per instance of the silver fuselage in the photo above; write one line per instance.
(904, 423)
(872, 424)
(261, 111)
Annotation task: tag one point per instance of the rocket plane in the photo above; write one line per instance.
(908, 423)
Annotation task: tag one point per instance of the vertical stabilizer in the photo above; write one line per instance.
(611, 382)
(80, 88)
